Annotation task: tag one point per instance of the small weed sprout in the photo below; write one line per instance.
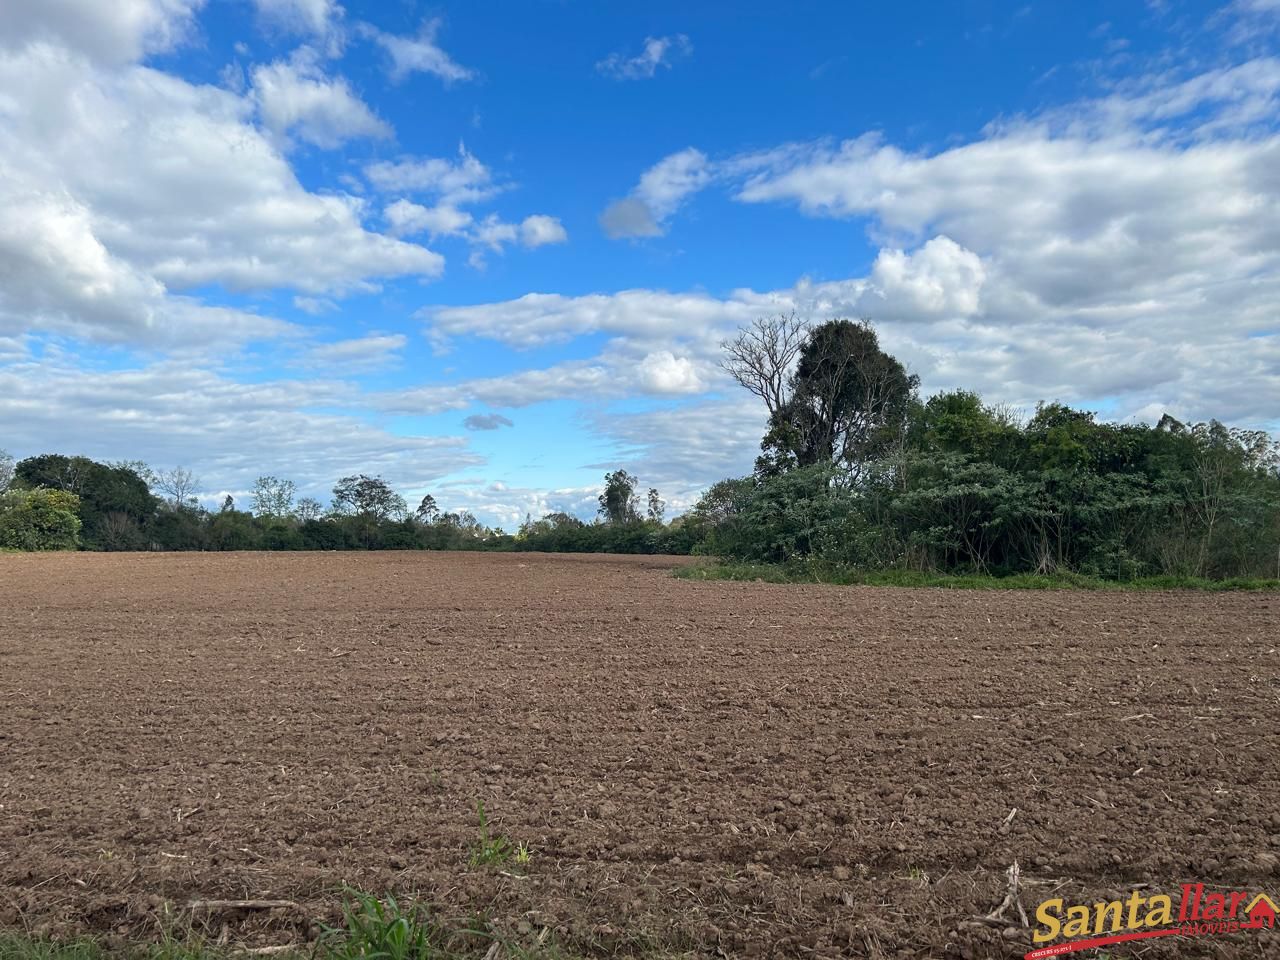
(490, 850)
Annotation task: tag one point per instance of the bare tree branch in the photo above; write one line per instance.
(178, 484)
(760, 357)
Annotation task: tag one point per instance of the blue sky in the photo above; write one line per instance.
(489, 250)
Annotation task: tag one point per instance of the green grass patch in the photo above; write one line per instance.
(381, 928)
(844, 576)
(373, 928)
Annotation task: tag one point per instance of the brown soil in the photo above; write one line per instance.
(705, 767)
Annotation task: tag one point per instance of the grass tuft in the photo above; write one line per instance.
(379, 928)
(493, 850)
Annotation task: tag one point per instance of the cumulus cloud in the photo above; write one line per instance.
(1088, 231)
(662, 189)
(940, 280)
(57, 275)
(493, 233)
(539, 230)
(418, 54)
(939, 308)
(656, 52)
(663, 372)
(115, 33)
(135, 185)
(453, 182)
(534, 231)
(407, 219)
(486, 421)
(296, 99)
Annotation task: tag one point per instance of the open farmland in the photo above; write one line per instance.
(694, 766)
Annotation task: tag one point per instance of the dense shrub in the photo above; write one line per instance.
(39, 519)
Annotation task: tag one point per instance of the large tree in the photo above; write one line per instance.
(115, 501)
(832, 394)
(619, 503)
(369, 502)
(273, 497)
(179, 486)
(368, 496)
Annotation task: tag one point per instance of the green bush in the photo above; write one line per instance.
(39, 519)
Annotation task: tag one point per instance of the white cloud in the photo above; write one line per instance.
(453, 182)
(315, 305)
(420, 54)
(355, 355)
(682, 450)
(228, 432)
(1211, 352)
(663, 372)
(316, 18)
(571, 379)
(1253, 22)
(939, 280)
(665, 185)
(114, 33)
(656, 52)
(539, 230)
(534, 231)
(661, 191)
(653, 317)
(493, 233)
(56, 275)
(408, 219)
(1086, 231)
(295, 98)
(508, 505)
(134, 184)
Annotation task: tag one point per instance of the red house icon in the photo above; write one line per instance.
(1262, 912)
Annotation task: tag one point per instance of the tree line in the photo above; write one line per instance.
(57, 502)
(855, 470)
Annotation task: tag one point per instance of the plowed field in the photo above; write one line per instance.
(699, 767)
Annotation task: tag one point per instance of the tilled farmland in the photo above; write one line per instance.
(704, 768)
